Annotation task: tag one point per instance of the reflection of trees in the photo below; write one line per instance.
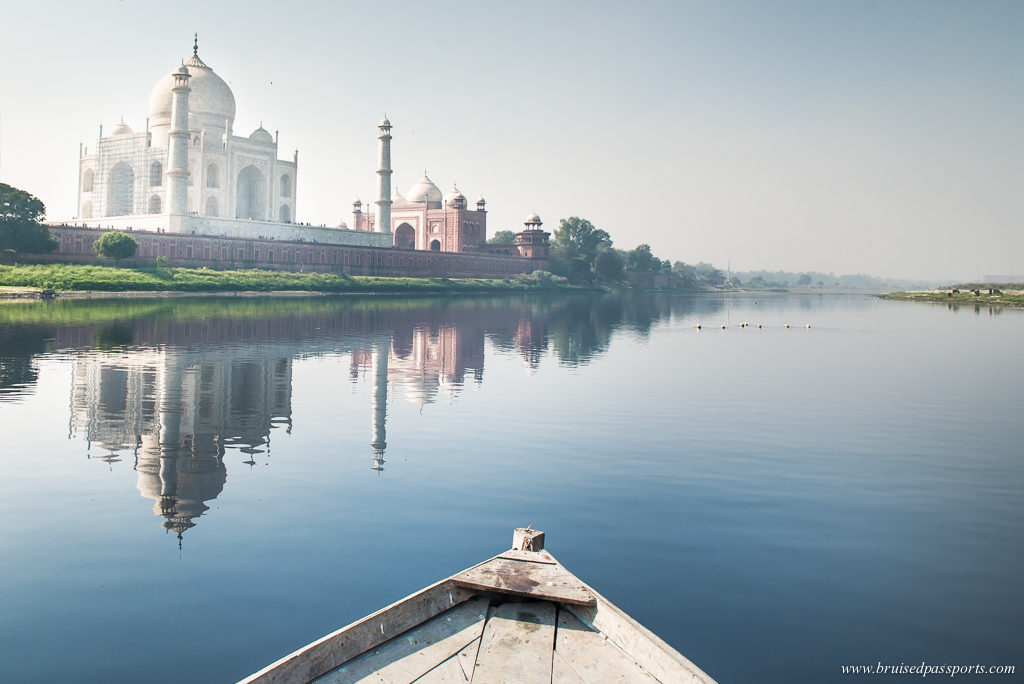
(574, 328)
(19, 345)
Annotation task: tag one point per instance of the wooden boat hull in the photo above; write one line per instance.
(518, 617)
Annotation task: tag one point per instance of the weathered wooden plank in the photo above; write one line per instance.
(593, 657)
(412, 654)
(562, 672)
(517, 644)
(534, 580)
(328, 652)
(665, 663)
(532, 556)
(458, 668)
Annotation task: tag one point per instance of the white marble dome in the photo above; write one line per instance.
(122, 129)
(261, 135)
(210, 97)
(396, 198)
(455, 196)
(533, 218)
(424, 191)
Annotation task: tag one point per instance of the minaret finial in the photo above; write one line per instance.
(195, 44)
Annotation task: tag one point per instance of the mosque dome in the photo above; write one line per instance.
(424, 191)
(396, 197)
(122, 129)
(342, 225)
(533, 218)
(455, 196)
(384, 123)
(210, 97)
(261, 135)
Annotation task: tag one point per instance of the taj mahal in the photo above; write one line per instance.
(187, 173)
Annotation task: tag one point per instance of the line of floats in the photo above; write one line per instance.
(700, 326)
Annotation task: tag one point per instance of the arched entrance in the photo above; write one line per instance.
(250, 194)
(120, 190)
(285, 214)
(405, 237)
(435, 246)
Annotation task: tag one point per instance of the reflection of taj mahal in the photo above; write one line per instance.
(179, 411)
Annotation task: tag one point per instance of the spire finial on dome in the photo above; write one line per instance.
(195, 44)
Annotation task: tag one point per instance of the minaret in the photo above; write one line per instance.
(383, 203)
(177, 154)
(380, 403)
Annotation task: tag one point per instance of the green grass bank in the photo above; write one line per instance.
(76, 278)
(1009, 298)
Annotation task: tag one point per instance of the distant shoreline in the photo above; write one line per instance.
(1007, 298)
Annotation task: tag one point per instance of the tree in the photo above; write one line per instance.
(20, 229)
(502, 237)
(804, 280)
(115, 246)
(641, 260)
(608, 264)
(579, 239)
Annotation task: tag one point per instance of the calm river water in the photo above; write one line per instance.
(192, 488)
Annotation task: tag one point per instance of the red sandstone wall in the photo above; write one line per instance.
(227, 252)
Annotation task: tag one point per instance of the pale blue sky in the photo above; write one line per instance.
(878, 137)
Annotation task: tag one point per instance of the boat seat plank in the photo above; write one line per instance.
(546, 581)
(458, 668)
(541, 556)
(516, 645)
(415, 652)
(592, 656)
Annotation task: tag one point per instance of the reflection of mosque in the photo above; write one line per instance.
(420, 362)
(177, 411)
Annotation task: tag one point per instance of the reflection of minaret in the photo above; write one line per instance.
(380, 403)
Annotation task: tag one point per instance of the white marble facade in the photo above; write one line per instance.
(237, 185)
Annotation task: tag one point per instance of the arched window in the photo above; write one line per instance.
(211, 206)
(87, 180)
(156, 175)
(435, 246)
(286, 185)
(285, 214)
(405, 237)
(212, 176)
(86, 209)
(250, 194)
(154, 204)
(120, 190)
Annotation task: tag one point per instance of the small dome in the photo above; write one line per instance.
(533, 219)
(342, 225)
(384, 123)
(424, 191)
(396, 197)
(122, 129)
(481, 200)
(261, 135)
(455, 196)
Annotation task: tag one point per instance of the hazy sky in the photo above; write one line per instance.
(858, 136)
